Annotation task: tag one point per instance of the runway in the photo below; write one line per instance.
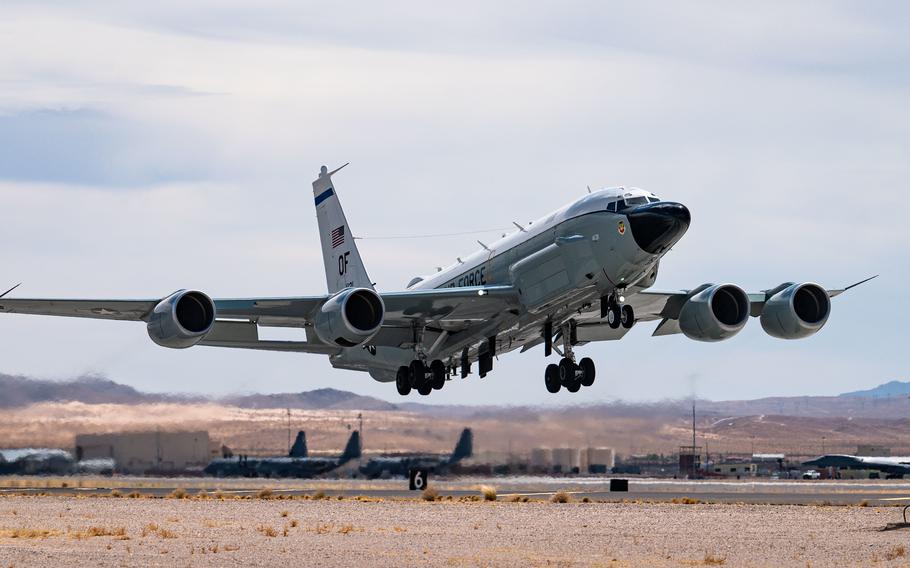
(776, 492)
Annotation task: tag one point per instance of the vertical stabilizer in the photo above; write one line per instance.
(464, 448)
(299, 449)
(343, 265)
(352, 450)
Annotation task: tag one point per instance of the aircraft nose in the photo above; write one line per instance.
(657, 226)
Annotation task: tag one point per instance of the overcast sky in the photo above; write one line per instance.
(152, 146)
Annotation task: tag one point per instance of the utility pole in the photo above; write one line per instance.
(693, 439)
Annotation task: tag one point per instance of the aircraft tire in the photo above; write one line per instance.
(425, 389)
(438, 371)
(403, 381)
(418, 373)
(574, 385)
(614, 317)
(588, 372)
(566, 371)
(627, 316)
(551, 378)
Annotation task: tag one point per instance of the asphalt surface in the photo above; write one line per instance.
(783, 492)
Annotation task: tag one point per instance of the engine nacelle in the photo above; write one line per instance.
(797, 311)
(350, 317)
(182, 319)
(716, 313)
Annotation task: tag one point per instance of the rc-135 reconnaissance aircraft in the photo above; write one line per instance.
(580, 274)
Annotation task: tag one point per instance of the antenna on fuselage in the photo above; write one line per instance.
(589, 189)
(485, 247)
(520, 228)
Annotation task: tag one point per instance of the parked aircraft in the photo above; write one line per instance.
(582, 273)
(245, 466)
(886, 464)
(400, 466)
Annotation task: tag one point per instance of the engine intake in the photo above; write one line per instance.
(715, 313)
(797, 311)
(350, 317)
(182, 319)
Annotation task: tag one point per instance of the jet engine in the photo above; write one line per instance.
(182, 319)
(350, 317)
(715, 313)
(796, 311)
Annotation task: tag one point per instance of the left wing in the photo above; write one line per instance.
(665, 306)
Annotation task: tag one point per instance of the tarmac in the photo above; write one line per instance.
(751, 491)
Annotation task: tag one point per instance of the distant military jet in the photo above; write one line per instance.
(888, 465)
(580, 274)
(400, 466)
(291, 466)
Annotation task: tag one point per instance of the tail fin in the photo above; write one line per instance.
(299, 449)
(352, 450)
(343, 266)
(464, 448)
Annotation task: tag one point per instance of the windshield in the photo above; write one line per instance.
(627, 203)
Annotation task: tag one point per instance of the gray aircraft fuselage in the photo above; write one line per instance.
(562, 264)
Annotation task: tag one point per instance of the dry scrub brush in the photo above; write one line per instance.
(488, 492)
(560, 497)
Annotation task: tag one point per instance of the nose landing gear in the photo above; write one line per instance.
(617, 313)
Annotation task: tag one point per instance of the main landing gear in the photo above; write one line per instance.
(568, 373)
(420, 377)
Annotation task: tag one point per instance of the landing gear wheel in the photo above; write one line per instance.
(627, 316)
(566, 371)
(425, 389)
(574, 385)
(614, 317)
(587, 372)
(551, 378)
(418, 373)
(403, 381)
(438, 373)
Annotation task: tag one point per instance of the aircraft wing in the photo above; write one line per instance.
(128, 310)
(652, 305)
(237, 319)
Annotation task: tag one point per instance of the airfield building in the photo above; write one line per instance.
(149, 452)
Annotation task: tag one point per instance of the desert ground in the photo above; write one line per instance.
(217, 531)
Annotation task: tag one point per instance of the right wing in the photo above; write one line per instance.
(238, 319)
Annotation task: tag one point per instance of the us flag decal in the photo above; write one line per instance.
(338, 236)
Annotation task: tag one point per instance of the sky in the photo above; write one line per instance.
(151, 146)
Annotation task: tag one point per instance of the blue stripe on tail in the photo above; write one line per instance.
(324, 195)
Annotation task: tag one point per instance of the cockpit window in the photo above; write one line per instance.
(653, 199)
(632, 201)
(612, 207)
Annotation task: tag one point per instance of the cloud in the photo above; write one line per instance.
(153, 146)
